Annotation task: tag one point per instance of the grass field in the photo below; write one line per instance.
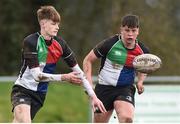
(64, 103)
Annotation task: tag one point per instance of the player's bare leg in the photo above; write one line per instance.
(22, 114)
(124, 111)
(102, 117)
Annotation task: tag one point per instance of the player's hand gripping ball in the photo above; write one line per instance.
(147, 63)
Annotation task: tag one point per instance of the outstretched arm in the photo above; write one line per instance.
(96, 103)
(87, 67)
(38, 75)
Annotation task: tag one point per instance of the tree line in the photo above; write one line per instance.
(87, 22)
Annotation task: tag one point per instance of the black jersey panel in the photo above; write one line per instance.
(103, 48)
(30, 51)
(143, 47)
(30, 45)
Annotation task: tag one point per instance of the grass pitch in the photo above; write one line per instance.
(64, 103)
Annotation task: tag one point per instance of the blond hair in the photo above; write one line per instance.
(48, 12)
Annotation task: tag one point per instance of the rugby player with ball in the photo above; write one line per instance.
(115, 87)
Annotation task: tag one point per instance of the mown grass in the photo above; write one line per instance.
(64, 103)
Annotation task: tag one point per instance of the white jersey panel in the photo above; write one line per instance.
(27, 80)
(109, 74)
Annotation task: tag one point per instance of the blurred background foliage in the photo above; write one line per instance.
(87, 22)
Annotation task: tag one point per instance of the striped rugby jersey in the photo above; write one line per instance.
(116, 61)
(45, 54)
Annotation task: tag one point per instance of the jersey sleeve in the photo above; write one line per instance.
(30, 53)
(143, 47)
(68, 54)
(101, 49)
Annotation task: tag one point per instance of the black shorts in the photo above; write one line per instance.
(108, 94)
(21, 95)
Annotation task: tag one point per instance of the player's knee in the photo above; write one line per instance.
(21, 119)
(126, 119)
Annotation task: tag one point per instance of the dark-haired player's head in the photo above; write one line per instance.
(131, 21)
(129, 29)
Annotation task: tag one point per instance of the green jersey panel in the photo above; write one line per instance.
(117, 53)
(42, 50)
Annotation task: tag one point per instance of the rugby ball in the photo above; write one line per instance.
(147, 63)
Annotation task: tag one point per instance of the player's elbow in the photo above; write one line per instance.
(37, 74)
(90, 58)
(86, 61)
(37, 77)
